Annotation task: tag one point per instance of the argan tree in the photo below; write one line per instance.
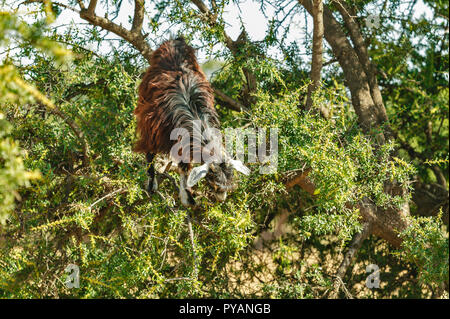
(359, 94)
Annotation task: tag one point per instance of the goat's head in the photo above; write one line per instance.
(218, 175)
(218, 167)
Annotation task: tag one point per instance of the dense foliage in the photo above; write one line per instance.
(71, 189)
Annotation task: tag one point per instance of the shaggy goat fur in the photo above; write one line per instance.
(173, 93)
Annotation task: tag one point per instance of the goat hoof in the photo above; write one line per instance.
(151, 186)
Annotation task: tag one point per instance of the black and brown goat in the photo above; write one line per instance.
(175, 94)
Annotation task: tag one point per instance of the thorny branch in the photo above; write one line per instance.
(348, 259)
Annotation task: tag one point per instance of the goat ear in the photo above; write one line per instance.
(237, 165)
(197, 174)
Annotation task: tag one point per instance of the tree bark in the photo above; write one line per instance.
(384, 223)
(133, 36)
(317, 53)
(235, 48)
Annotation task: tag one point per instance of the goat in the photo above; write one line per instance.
(174, 93)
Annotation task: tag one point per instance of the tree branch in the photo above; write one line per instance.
(76, 129)
(368, 112)
(229, 102)
(92, 6)
(317, 54)
(194, 253)
(138, 19)
(363, 56)
(53, 2)
(52, 108)
(301, 179)
(81, 4)
(233, 46)
(357, 241)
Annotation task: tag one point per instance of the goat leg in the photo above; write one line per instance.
(185, 193)
(152, 183)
